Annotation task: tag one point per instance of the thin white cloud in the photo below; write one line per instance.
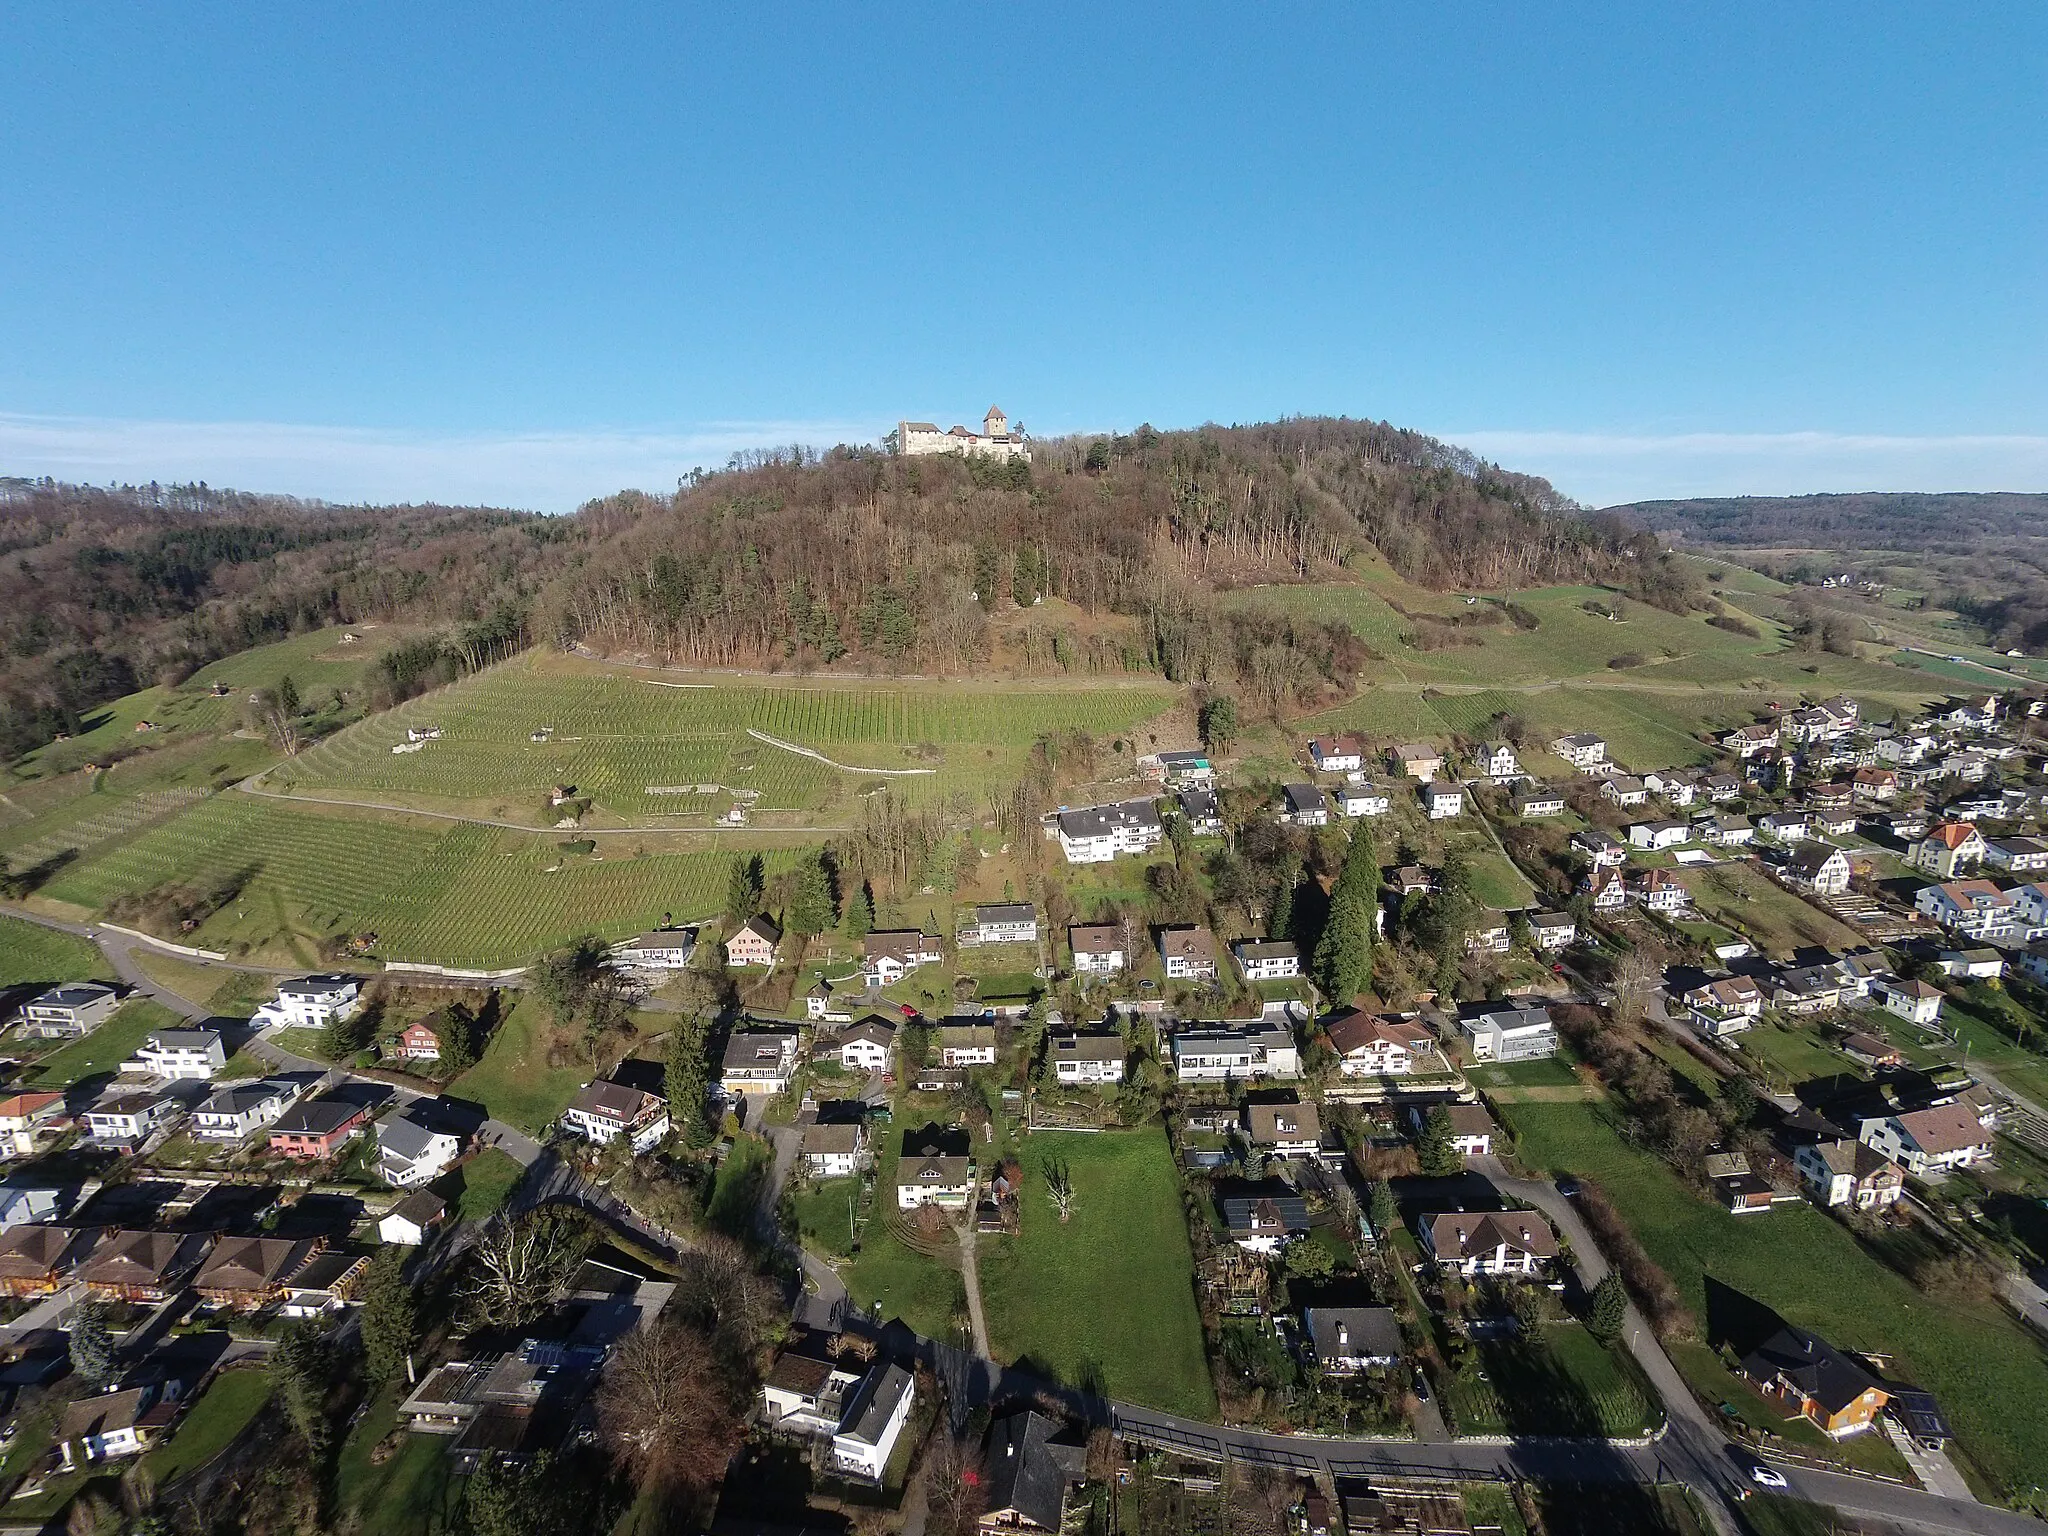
(1605, 469)
(541, 471)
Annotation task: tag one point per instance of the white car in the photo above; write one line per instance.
(1769, 1477)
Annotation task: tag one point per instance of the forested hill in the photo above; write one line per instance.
(106, 590)
(1949, 521)
(853, 557)
(909, 561)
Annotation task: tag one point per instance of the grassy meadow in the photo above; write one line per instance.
(1107, 1296)
(1989, 1372)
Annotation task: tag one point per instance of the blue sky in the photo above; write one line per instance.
(519, 254)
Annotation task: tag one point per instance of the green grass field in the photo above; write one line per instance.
(824, 1215)
(1557, 1382)
(619, 737)
(487, 1181)
(412, 1493)
(455, 894)
(30, 954)
(926, 1293)
(227, 1407)
(103, 1051)
(1110, 1293)
(520, 1079)
(1741, 897)
(1989, 1373)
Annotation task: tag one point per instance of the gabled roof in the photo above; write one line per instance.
(251, 1263)
(1466, 1234)
(611, 1101)
(760, 926)
(1353, 1029)
(1811, 1366)
(1944, 1128)
(318, 1117)
(1027, 1474)
(1950, 834)
(139, 1258)
(33, 1250)
(1366, 1331)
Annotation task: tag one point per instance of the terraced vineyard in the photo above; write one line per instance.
(468, 895)
(632, 743)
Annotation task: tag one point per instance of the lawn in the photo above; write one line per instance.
(230, 993)
(517, 1080)
(103, 1051)
(227, 1408)
(411, 1494)
(31, 953)
(1109, 1294)
(1559, 1381)
(1789, 1053)
(925, 1292)
(824, 1215)
(487, 1180)
(736, 1192)
(1988, 1372)
(1769, 916)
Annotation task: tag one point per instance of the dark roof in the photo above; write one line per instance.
(1921, 1414)
(422, 1208)
(252, 1263)
(1274, 1213)
(1811, 1365)
(1368, 1331)
(1006, 912)
(1026, 1473)
(884, 1390)
(318, 1117)
(326, 1271)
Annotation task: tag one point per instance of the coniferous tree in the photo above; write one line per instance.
(686, 1077)
(743, 888)
(860, 913)
(1381, 1210)
(1609, 1311)
(1343, 957)
(1435, 1152)
(389, 1319)
(92, 1345)
(810, 904)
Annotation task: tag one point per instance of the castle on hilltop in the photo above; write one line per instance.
(995, 440)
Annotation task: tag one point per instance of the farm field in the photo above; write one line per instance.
(30, 954)
(632, 742)
(1124, 1255)
(451, 893)
(1987, 1370)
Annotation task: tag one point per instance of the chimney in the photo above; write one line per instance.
(1343, 1335)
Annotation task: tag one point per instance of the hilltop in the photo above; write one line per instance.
(1098, 555)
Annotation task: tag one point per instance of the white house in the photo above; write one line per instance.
(665, 949)
(995, 440)
(180, 1055)
(758, 1062)
(1370, 1045)
(1822, 870)
(408, 1222)
(239, 1110)
(1098, 948)
(1539, 801)
(892, 954)
(1602, 851)
(1496, 761)
(1002, 922)
(2018, 855)
(1507, 1032)
(863, 1444)
(1086, 1059)
(935, 1169)
(414, 1149)
(1977, 909)
(970, 1043)
(1848, 1173)
(1624, 790)
(1584, 751)
(865, 1047)
(1337, 754)
(1927, 1143)
(1552, 930)
(1726, 1006)
(1098, 833)
(312, 1002)
(1660, 890)
(1654, 835)
(834, 1149)
(605, 1111)
(1267, 960)
(66, 1012)
(1914, 1001)
(1363, 800)
(1214, 1055)
(1442, 801)
(1303, 805)
(1188, 953)
(128, 1120)
(1511, 1244)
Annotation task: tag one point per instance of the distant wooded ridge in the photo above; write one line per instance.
(1906, 520)
(797, 558)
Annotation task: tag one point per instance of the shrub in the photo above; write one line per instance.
(1735, 626)
(1523, 618)
(1626, 660)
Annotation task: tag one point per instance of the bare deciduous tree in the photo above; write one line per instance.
(524, 1265)
(1059, 1186)
(670, 1408)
